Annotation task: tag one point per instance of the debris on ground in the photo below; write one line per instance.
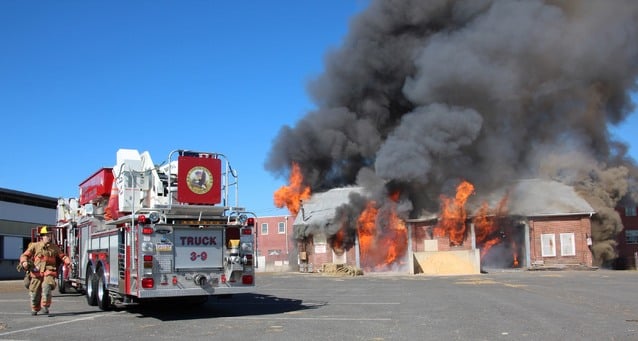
(341, 270)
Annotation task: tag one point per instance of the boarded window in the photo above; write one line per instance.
(339, 258)
(567, 244)
(548, 245)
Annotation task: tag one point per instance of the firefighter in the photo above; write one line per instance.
(44, 270)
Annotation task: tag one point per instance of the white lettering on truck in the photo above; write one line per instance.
(196, 241)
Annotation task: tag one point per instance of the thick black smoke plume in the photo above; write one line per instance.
(423, 93)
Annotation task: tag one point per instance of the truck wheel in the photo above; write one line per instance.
(61, 282)
(103, 298)
(91, 284)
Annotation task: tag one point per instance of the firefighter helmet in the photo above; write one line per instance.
(44, 230)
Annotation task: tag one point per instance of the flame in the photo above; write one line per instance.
(367, 231)
(292, 195)
(337, 241)
(483, 226)
(395, 196)
(453, 215)
(383, 238)
(491, 229)
(490, 226)
(487, 245)
(485, 229)
(396, 238)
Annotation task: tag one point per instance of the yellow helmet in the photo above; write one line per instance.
(44, 230)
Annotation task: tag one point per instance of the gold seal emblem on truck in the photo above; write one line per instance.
(200, 180)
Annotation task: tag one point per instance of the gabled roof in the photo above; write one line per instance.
(527, 198)
(537, 197)
(320, 209)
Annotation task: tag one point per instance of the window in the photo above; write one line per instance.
(567, 244)
(320, 243)
(631, 236)
(548, 245)
(11, 247)
(264, 228)
(282, 227)
(630, 211)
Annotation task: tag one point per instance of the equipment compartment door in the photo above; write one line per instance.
(198, 248)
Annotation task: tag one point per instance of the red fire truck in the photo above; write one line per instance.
(140, 232)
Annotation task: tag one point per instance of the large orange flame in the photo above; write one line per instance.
(382, 239)
(484, 229)
(487, 227)
(367, 231)
(337, 241)
(395, 239)
(453, 215)
(490, 226)
(292, 195)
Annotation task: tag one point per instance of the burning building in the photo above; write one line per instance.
(528, 224)
(532, 223)
(323, 234)
(425, 95)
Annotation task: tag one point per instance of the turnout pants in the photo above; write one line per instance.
(40, 291)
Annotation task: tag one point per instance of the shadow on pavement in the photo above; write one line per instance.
(238, 305)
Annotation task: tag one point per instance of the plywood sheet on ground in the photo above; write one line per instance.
(460, 262)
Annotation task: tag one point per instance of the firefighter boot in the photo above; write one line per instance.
(33, 313)
(45, 310)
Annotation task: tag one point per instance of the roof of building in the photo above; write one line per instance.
(537, 197)
(320, 209)
(30, 199)
(527, 198)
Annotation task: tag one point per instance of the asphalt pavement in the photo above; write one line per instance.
(498, 305)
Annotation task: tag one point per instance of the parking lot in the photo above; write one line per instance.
(547, 305)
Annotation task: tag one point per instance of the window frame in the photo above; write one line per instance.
(567, 244)
(548, 240)
(264, 232)
(281, 227)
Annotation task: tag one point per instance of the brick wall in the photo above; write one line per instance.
(579, 226)
(278, 249)
(320, 254)
(422, 231)
(626, 252)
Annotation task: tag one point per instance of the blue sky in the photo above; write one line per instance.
(81, 79)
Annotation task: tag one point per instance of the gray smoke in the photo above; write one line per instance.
(423, 93)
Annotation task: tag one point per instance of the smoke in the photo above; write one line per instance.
(423, 93)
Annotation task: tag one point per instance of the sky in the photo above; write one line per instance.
(81, 79)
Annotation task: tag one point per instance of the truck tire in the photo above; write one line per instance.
(91, 285)
(103, 297)
(61, 283)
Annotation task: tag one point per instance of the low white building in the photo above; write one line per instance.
(20, 212)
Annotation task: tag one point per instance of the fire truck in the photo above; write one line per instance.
(140, 232)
